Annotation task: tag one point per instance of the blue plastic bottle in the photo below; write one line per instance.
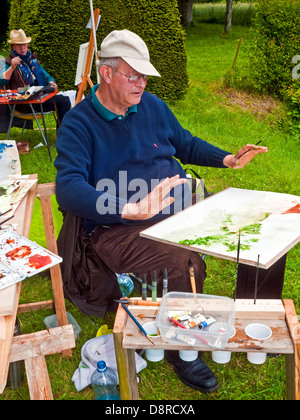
(104, 382)
(125, 283)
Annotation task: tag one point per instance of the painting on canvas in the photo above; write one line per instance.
(269, 224)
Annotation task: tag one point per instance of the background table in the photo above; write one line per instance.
(30, 102)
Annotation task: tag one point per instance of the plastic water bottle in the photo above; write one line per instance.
(125, 283)
(104, 382)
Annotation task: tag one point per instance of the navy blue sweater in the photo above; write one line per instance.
(104, 160)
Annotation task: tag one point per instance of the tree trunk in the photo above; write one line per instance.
(228, 16)
(186, 11)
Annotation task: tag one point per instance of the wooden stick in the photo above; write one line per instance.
(236, 54)
(237, 264)
(256, 280)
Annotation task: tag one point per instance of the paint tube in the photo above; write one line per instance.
(206, 323)
(177, 314)
(196, 320)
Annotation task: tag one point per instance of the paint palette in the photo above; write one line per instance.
(8, 277)
(20, 258)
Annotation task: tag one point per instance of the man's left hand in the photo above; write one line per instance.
(243, 156)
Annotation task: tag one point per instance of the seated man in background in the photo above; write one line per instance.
(116, 170)
(22, 69)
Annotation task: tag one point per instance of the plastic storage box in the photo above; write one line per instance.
(51, 322)
(215, 335)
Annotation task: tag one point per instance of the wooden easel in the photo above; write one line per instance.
(85, 78)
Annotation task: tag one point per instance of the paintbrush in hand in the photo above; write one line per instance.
(239, 157)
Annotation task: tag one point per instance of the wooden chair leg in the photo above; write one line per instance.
(293, 362)
(125, 361)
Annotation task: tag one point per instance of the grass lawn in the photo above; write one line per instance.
(228, 119)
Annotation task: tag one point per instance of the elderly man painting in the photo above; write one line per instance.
(116, 170)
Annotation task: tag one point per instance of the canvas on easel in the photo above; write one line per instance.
(268, 223)
(82, 71)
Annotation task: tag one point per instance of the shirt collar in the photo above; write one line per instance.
(106, 113)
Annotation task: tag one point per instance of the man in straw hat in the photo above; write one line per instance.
(116, 171)
(22, 68)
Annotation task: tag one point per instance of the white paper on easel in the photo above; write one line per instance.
(82, 56)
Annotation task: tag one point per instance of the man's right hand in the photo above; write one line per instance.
(15, 62)
(154, 202)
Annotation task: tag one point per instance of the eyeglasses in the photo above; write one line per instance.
(134, 78)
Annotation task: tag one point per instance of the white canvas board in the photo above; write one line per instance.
(82, 56)
(266, 229)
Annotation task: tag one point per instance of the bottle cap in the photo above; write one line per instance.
(101, 365)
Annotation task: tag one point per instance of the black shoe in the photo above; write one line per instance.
(194, 374)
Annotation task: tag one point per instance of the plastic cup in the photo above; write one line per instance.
(188, 355)
(257, 332)
(221, 357)
(153, 355)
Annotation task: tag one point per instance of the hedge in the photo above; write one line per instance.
(57, 29)
(275, 42)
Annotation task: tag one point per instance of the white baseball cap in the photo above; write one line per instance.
(131, 48)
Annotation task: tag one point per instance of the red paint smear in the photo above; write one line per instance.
(39, 261)
(19, 253)
(10, 241)
(295, 209)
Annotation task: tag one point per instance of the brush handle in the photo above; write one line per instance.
(246, 151)
(133, 319)
(143, 302)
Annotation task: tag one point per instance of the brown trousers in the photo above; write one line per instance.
(122, 249)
